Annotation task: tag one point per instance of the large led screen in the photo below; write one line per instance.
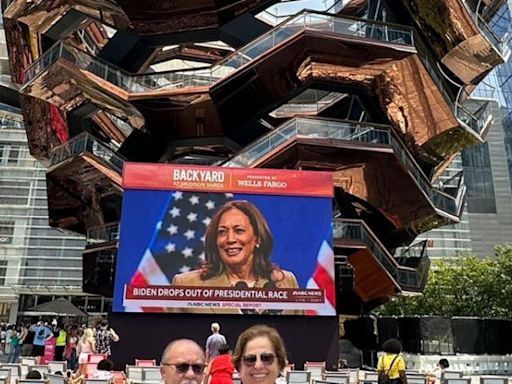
(225, 241)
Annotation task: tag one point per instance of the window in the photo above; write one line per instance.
(10, 154)
(3, 271)
(479, 181)
(6, 232)
(14, 192)
(14, 155)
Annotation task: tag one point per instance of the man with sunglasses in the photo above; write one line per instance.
(183, 362)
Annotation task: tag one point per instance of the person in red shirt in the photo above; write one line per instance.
(220, 369)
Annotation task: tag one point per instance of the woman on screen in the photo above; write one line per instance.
(238, 244)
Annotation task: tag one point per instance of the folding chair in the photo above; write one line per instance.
(55, 379)
(133, 373)
(493, 380)
(42, 369)
(119, 377)
(298, 377)
(96, 357)
(57, 366)
(316, 368)
(28, 360)
(28, 381)
(15, 371)
(336, 377)
(151, 374)
(145, 363)
(97, 381)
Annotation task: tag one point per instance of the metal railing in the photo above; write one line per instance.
(316, 128)
(103, 233)
(311, 101)
(476, 9)
(455, 101)
(418, 253)
(85, 142)
(9, 3)
(407, 278)
(310, 128)
(307, 20)
(279, 12)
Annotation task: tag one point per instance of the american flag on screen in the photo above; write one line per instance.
(323, 275)
(177, 245)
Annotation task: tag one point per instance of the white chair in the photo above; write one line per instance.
(29, 381)
(452, 375)
(353, 374)
(461, 380)
(323, 382)
(316, 368)
(493, 380)
(24, 360)
(151, 374)
(42, 369)
(335, 377)
(133, 373)
(97, 381)
(57, 366)
(15, 371)
(415, 380)
(298, 377)
(55, 379)
(371, 376)
(5, 376)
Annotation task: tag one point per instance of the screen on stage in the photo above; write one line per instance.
(197, 239)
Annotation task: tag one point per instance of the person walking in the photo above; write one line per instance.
(28, 340)
(70, 354)
(41, 334)
(60, 342)
(14, 346)
(86, 346)
(220, 369)
(214, 341)
(391, 365)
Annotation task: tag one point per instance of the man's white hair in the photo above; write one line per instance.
(215, 327)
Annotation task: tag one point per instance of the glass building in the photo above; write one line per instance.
(37, 263)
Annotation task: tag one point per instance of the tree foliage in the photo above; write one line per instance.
(468, 286)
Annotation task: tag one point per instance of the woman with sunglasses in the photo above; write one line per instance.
(238, 245)
(259, 355)
(220, 369)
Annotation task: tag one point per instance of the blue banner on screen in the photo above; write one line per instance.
(225, 241)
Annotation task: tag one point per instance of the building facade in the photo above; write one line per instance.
(376, 92)
(37, 262)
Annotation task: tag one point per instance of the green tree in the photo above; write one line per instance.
(468, 286)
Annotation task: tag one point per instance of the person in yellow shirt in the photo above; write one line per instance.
(60, 342)
(392, 363)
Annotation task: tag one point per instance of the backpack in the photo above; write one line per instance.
(384, 376)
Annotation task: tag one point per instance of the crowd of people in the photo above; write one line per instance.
(259, 355)
(72, 343)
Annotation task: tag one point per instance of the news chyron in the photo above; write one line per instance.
(219, 240)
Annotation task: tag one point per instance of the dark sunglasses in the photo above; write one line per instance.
(266, 358)
(184, 367)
